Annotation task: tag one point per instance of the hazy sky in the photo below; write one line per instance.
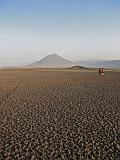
(75, 29)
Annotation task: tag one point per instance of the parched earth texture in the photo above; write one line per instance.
(59, 115)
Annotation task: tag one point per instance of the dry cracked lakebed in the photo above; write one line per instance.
(59, 115)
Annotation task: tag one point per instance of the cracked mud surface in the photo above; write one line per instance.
(59, 115)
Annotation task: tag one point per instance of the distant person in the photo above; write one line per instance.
(101, 71)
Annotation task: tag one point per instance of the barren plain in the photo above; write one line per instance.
(59, 115)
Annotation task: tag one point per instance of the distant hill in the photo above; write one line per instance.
(56, 61)
(76, 67)
(52, 61)
(98, 63)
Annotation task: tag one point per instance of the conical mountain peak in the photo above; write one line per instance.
(53, 60)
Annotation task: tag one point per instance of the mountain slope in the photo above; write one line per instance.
(53, 60)
(103, 63)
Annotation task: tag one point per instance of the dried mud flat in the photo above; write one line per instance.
(59, 115)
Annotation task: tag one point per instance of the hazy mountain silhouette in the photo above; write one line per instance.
(98, 63)
(52, 60)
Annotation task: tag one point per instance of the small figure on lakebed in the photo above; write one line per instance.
(101, 71)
